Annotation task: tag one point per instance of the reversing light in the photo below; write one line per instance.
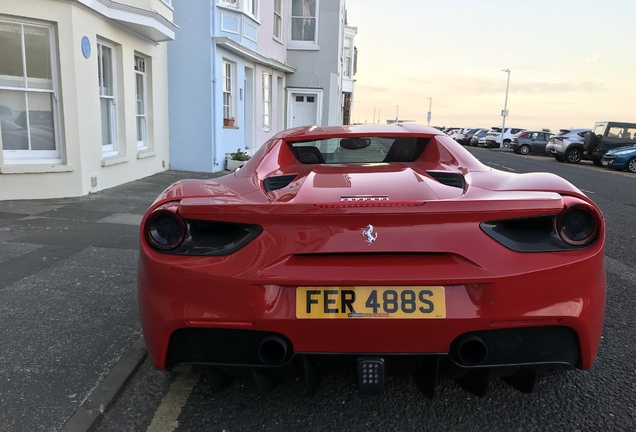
(578, 224)
(165, 230)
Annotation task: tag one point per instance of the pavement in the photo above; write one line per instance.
(70, 336)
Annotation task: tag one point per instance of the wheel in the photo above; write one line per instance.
(524, 149)
(631, 165)
(506, 144)
(597, 161)
(589, 142)
(573, 155)
(559, 158)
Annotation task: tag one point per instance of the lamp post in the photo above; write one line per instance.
(504, 112)
(428, 115)
(397, 108)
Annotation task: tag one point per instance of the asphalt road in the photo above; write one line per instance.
(69, 336)
(601, 399)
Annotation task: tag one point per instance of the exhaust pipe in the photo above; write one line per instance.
(471, 350)
(272, 350)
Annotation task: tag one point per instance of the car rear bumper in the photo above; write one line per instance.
(186, 313)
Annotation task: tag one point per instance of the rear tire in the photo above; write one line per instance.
(573, 156)
(524, 149)
(506, 144)
(589, 142)
(631, 165)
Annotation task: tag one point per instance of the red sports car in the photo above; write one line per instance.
(377, 249)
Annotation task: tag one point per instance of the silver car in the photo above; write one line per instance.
(567, 145)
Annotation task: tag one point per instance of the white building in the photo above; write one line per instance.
(83, 94)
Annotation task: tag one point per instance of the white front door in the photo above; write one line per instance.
(304, 109)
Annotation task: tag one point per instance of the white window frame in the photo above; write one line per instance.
(35, 156)
(229, 89)
(251, 8)
(141, 65)
(247, 7)
(267, 101)
(111, 148)
(347, 55)
(301, 44)
(234, 4)
(278, 18)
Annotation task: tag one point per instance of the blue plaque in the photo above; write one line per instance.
(86, 47)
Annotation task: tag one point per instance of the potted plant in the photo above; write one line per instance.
(228, 121)
(236, 159)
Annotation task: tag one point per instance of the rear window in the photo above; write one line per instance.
(359, 150)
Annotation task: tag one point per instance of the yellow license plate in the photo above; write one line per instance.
(371, 302)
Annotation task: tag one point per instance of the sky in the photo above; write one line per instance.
(571, 62)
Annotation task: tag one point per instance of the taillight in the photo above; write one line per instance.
(578, 224)
(558, 138)
(522, 134)
(165, 229)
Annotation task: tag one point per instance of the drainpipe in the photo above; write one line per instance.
(213, 120)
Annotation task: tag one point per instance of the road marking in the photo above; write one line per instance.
(587, 191)
(502, 166)
(167, 415)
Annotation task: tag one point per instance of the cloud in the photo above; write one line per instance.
(592, 59)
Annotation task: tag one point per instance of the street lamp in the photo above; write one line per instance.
(428, 115)
(504, 112)
(397, 108)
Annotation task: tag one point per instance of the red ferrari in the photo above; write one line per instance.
(377, 250)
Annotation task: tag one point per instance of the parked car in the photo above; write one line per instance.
(567, 145)
(16, 137)
(606, 136)
(465, 135)
(530, 141)
(246, 274)
(493, 137)
(6, 112)
(36, 118)
(453, 132)
(478, 136)
(621, 158)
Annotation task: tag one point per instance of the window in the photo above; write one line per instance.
(229, 3)
(107, 98)
(267, 101)
(228, 90)
(250, 7)
(28, 95)
(304, 26)
(347, 67)
(278, 19)
(622, 132)
(141, 105)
